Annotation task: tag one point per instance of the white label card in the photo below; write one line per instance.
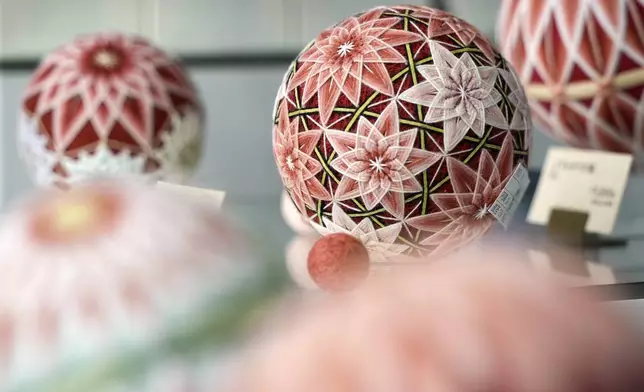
(584, 181)
(509, 199)
(213, 197)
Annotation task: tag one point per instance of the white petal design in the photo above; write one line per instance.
(380, 243)
(104, 164)
(459, 94)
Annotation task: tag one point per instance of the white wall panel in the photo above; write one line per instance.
(31, 28)
(481, 13)
(317, 15)
(197, 26)
(239, 154)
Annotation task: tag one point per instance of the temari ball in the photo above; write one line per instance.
(401, 126)
(105, 269)
(582, 63)
(109, 105)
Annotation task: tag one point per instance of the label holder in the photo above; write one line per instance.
(567, 228)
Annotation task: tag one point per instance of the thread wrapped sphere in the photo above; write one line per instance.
(103, 268)
(582, 64)
(400, 126)
(109, 105)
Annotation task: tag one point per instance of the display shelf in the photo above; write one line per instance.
(261, 218)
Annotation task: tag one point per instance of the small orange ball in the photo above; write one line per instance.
(338, 262)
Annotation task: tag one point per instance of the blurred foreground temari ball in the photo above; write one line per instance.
(103, 267)
(490, 326)
(582, 63)
(400, 126)
(109, 105)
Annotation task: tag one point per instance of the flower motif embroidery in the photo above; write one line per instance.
(521, 117)
(80, 215)
(348, 55)
(379, 163)
(459, 94)
(464, 214)
(296, 166)
(381, 243)
(443, 23)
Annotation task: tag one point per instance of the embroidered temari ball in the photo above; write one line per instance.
(400, 126)
(109, 105)
(582, 63)
(104, 268)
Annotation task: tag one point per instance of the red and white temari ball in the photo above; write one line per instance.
(105, 267)
(109, 105)
(582, 63)
(400, 126)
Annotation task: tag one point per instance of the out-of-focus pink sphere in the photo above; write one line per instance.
(451, 327)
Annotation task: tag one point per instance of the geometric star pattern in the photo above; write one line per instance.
(109, 104)
(582, 63)
(389, 111)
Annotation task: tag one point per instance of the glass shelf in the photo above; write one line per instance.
(269, 235)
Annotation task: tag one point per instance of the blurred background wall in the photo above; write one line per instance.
(235, 50)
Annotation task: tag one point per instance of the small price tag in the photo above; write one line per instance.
(508, 201)
(579, 180)
(210, 196)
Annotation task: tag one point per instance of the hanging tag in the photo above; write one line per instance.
(509, 199)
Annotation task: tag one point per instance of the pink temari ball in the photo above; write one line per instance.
(106, 105)
(105, 266)
(476, 327)
(400, 126)
(582, 63)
